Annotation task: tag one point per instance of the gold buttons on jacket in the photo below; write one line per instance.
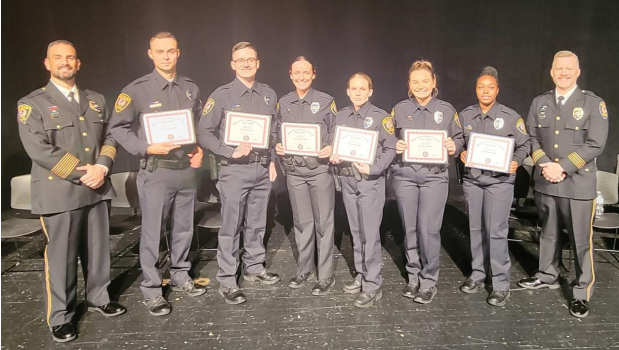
(557, 160)
(82, 118)
(57, 126)
(558, 118)
(556, 146)
(50, 178)
(576, 128)
(586, 169)
(557, 132)
(84, 134)
(87, 149)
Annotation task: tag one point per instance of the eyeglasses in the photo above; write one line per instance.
(249, 61)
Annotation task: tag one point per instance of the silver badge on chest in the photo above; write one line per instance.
(438, 117)
(578, 113)
(315, 107)
(367, 122)
(498, 123)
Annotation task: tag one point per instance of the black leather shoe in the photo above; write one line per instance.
(425, 296)
(265, 277)
(323, 286)
(579, 308)
(410, 290)
(232, 295)
(191, 288)
(109, 310)
(158, 306)
(536, 283)
(64, 333)
(498, 298)
(299, 280)
(353, 286)
(471, 286)
(367, 299)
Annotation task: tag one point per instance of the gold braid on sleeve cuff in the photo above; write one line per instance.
(576, 160)
(65, 166)
(109, 151)
(537, 155)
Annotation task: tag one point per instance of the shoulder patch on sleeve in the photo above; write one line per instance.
(333, 107)
(457, 120)
(603, 110)
(388, 125)
(208, 107)
(122, 102)
(23, 112)
(521, 127)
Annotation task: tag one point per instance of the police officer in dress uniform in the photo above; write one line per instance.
(245, 176)
(63, 129)
(167, 177)
(421, 190)
(363, 189)
(568, 128)
(310, 183)
(489, 194)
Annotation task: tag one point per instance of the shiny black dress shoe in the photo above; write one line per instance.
(353, 286)
(425, 296)
(299, 280)
(158, 306)
(410, 290)
(64, 333)
(579, 308)
(191, 288)
(498, 298)
(109, 310)
(323, 286)
(232, 295)
(536, 283)
(367, 299)
(471, 286)
(265, 277)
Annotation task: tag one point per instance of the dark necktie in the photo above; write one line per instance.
(172, 97)
(560, 102)
(73, 101)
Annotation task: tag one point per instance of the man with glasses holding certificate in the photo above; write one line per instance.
(153, 118)
(236, 126)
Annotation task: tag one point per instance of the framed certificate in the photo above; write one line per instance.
(425, 146)
(301, 139)
(489, 152)
(248, 128)
(355, 145)
(169, 126)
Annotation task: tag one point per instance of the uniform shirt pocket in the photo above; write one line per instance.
(60, 131)
(576, 130)
(542, 129)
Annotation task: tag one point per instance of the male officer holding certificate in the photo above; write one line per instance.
(167, 178)
(568, 128)
(246, 171)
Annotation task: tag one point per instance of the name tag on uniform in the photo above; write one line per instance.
(155, 104)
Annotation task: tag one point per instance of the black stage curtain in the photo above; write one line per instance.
(381, 38)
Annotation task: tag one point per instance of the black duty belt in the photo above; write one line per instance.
(253, 157)
(175, 164)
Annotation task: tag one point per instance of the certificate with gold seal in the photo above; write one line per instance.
(355, 145)
(301, 139)
(489, 152)
(247, 128)
(425, 146)
(169, 126)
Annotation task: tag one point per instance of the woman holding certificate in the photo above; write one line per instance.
(428, 132)
(497, 142)
(363, 149)
(306, 121)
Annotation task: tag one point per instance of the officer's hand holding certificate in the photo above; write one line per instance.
(355, 145)
(425, 146)
(247, 128)
(169, 126)
(489, 152)
(301, 139)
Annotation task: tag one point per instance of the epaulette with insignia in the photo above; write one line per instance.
(324, 95)
(36, 92)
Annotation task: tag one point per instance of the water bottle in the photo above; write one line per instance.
(599, 205)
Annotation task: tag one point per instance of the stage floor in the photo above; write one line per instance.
(277, 317)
